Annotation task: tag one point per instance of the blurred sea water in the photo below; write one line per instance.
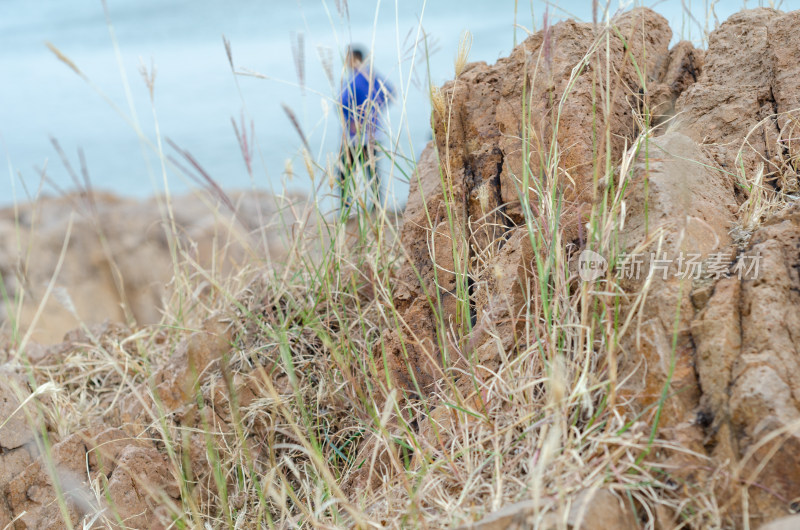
(196, 95)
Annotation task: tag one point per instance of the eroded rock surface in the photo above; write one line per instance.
(465, 204)
(686, 217)
(723, 349)
(748, 361)
(739, 108)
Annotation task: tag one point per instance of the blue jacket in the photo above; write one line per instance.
(364, 94)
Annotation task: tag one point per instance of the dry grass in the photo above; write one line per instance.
(774, 184)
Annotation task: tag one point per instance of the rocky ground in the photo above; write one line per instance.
(117, 254)
(705, 154)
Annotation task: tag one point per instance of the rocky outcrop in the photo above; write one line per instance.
(118, 257)
(740, 108)
(177, 382)
(671, 229)
(730, 392)
(464, 221)
(713, 352)
(748, 362)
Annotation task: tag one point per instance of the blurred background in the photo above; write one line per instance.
(292, 53)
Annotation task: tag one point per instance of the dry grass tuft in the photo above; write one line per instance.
(462, 56)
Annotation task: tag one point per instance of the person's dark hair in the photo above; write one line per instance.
(356, 52)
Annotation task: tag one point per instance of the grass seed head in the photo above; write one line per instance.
(462, 55)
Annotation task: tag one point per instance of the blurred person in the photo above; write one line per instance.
(364, 95)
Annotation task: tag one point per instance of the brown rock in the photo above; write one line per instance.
(464, 201)
(749, 365)
(191, 363)
(31, 495)
(141, 482)
(106, 448)
(717, 336)
(483, 144)
(732, 370)
(681, 69)
(500, 296)
(12, 463)
(178, 380)
(411, 352)
(734, 360)
(739, 108)
(690, 205)
(5, 516)
(15, 430)
(784, 46)
(118, 258)
(601, 510)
